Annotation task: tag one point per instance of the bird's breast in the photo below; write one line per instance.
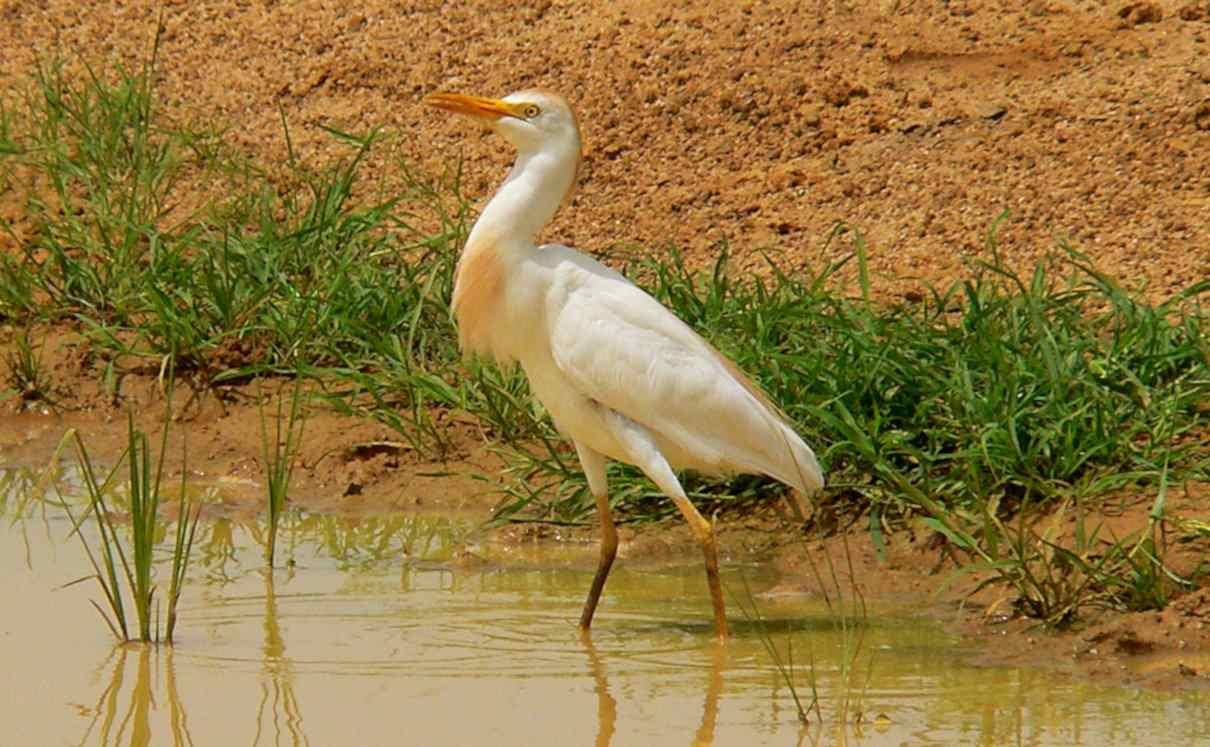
(479, 286)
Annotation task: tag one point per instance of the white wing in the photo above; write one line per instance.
(623, 349)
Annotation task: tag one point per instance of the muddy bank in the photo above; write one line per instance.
(351, 466)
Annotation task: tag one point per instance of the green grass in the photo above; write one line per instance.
(1031, 389)
(783, 664)
(1055, 577)
(1005, 395)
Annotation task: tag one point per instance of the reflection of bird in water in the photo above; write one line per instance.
(620, 374)
(607, 707)
(714, 688)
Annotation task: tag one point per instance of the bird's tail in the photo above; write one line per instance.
(801, 471)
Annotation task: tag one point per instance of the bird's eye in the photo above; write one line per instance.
(531, 110)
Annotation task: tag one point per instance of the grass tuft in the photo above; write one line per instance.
(125, 568)
(26, 375)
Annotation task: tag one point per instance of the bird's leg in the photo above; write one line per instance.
(594, 470)
(609, 549)
(641, 448)
(704, 532)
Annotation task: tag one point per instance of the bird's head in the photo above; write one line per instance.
(530, 120)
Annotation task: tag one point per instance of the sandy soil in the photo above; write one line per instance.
(759, 124)
(755, 124)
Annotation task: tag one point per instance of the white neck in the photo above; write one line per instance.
(526, 201)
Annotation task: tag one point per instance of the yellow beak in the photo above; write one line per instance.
(475, 106)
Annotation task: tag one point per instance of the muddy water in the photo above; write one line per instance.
(406, 629)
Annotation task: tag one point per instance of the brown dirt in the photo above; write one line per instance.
(344, 463)
(755, 124)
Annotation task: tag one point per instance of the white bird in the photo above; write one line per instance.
(620, 375)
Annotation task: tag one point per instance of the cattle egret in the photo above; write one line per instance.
(620, 375)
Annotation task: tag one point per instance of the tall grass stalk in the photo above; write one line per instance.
(188, 515)
(278, 456)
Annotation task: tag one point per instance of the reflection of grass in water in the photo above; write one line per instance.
(133, 726)
(784, 666)
(124, 711)
(354, 542)
(278, 682)
(361, 541)
(217, 549)
(21, 493)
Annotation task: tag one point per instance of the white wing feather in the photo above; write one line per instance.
(623, 349)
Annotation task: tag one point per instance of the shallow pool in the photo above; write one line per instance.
(413, 629)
